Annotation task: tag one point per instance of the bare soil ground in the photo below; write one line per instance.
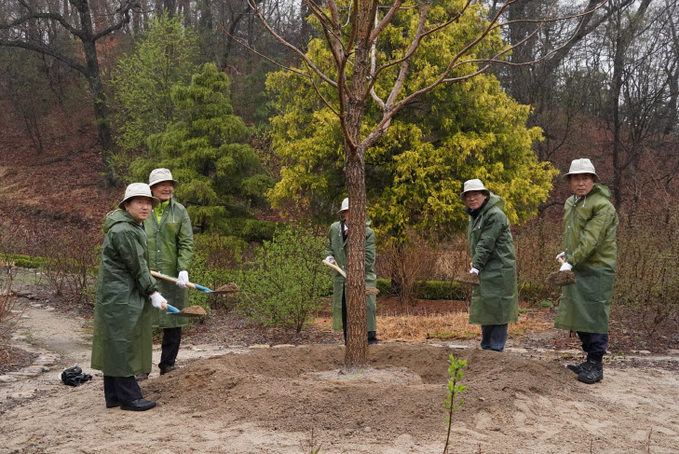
(244, 392)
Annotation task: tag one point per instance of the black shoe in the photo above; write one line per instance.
(592, 374)
(112, 404)
(138, 405)
(372, 338)
(577, 368)
(141, 377)
(164, 370)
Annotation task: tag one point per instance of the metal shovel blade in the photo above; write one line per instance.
(191, 311)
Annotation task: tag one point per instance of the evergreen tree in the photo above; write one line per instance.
(206, 149)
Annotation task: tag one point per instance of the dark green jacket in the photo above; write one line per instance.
(122, 340)
(337, 247)
(170, 251)
(495, 301)
(589, 224)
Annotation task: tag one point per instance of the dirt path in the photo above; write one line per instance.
(272, 399)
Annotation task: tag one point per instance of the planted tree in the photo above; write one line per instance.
(365, 80)
(207, 150)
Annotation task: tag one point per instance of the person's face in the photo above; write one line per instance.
(163, 190)
(344, 214)
(474, 199)
(139, 208)
(581, 184)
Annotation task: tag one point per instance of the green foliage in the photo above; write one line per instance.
(469, 129)
(454, 388)
(206, 149)
(143, 79)
(284, 286)
(216, 260)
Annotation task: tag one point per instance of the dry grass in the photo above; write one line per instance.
(454, 325)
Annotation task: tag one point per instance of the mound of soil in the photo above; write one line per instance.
(402, 393)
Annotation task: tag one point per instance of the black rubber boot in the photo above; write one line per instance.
(592, 373)
(577, 368)
(372, 337)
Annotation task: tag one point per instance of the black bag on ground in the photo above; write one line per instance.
(74, 376)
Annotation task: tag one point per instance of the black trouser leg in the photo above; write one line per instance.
(172, 337)
(594, 344)
(121, 390)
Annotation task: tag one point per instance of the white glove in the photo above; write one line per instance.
(566, 267)
(182, 279)
(158, 301)
(563, 254)
(330, 259)
(474, 271)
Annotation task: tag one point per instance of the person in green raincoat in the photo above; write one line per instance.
(589, 223)
(122, 340)
(495, 301)
(170, 237)
(336, 252)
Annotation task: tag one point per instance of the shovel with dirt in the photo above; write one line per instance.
(191, 311)
(561, 278)
(228, 288)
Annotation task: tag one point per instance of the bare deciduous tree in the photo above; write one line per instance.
(36, 26)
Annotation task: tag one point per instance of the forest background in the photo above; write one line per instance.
(114, 89)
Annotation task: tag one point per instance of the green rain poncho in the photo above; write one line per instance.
(122, 340)
(170, 251)
(337, 247)
(495, 301)
(589, 226)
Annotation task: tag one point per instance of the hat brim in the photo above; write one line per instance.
(596, 177)
(154, 201)
(174, 182)
(485, 191)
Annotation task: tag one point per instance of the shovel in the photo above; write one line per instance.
(561, 278)
(229, 288)
(368, 290)
(191, 311)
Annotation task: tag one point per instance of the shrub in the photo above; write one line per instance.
(285, 283)
(537, 243)
(69, 265)
(646, 278)
(407, 263)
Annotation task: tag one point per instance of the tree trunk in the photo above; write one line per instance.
(100, 106)
(356, 353)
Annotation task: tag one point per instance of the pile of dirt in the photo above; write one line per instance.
(402, 393)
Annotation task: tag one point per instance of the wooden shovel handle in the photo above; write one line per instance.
(335, 267)
(171, 279)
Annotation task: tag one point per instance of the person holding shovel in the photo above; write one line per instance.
(495, 300)
(590, 252)
(336, 253)
(170, 237)
(122, 339)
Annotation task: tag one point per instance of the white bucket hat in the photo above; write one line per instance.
(160, 175)
(474, 185)
(580, 166)
(345, 205)
(138, 190)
